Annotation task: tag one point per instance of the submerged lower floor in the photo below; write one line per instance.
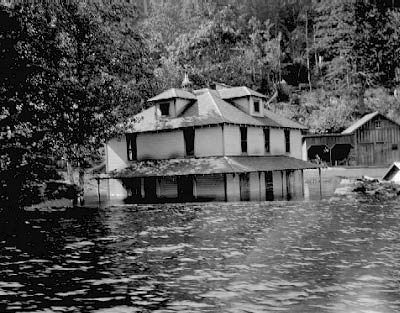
(244, 178)
(255, 186)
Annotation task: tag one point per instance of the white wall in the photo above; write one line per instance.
(168, 187)
(232, 140)
(163, 145)
(255, 141)
(242, 103)
(277, 141)
(232, 187)
(210, 187)
(296, 147)
(255, 184)
(180, 105)
(208, 141)
(116, 159)
(116, 154)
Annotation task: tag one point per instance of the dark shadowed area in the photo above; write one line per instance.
(327, 256)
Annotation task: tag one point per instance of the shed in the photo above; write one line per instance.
(393, 174)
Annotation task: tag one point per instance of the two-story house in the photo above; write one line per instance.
(211, 144)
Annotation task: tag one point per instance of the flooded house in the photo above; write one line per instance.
(372, 140)
(213, 144)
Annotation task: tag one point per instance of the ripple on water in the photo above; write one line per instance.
(243, 257)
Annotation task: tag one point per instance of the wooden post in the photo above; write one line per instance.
(195, 187)
(225, 188)
(98, 188)
(259, 186)
(320, 182)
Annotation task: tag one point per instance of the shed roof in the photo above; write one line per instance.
(360, 122)
(208, 109)
(211, 165)
(394, 168)
(239, 92)
(173, 93)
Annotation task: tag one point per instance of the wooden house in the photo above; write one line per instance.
(393, 174)
(211, 144)
(371, 141)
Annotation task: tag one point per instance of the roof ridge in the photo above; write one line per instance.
(216, 105)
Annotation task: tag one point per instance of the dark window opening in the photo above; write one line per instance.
(188, 134)
(164, 108)
(395, 146)
(131, 147)
(256, 106)
(287, 140)
(267, 140)
(269, 186)
(243, 139)
(378, 124)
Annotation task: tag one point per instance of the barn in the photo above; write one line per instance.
(373, 140)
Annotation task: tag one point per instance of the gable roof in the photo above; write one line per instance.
(173, 93)
(360, 122)
(239, 92)
(208, 109)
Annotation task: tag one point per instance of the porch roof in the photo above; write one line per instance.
(210, 165)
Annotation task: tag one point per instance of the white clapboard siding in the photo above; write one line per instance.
(210, 187)
(168, 187)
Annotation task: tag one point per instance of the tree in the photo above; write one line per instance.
(103, 75)
(28, 55)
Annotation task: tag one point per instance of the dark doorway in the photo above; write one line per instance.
(319, 154)
(188, 134)
(134, 189)
(244, 183)
(150, 189)
(185, 188)
(269, 186)
(340, 154)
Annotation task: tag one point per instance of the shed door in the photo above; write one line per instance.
(366, 153)
(244, 180)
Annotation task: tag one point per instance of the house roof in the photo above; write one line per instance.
(392, 169)
(210, 165)
(173, 93)
(208, 109)
(360, 122)
(239, 92)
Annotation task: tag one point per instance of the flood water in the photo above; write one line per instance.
(323, 256)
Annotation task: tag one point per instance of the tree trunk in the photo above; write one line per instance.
(81, 184)
(70, 172)
(308, 54)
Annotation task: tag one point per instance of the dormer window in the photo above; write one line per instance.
(256, 106)
(164, 109)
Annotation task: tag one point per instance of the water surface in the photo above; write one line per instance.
(326, 256)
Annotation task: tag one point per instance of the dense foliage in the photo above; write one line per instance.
(71, 71)
(314, 54)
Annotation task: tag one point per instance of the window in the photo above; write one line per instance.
(243, 139)
(378, 124)
(395, 146)
(287, 140)
(256, 106)
(266, 140)
(164, 108)
(188, 134)
(131, 147)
